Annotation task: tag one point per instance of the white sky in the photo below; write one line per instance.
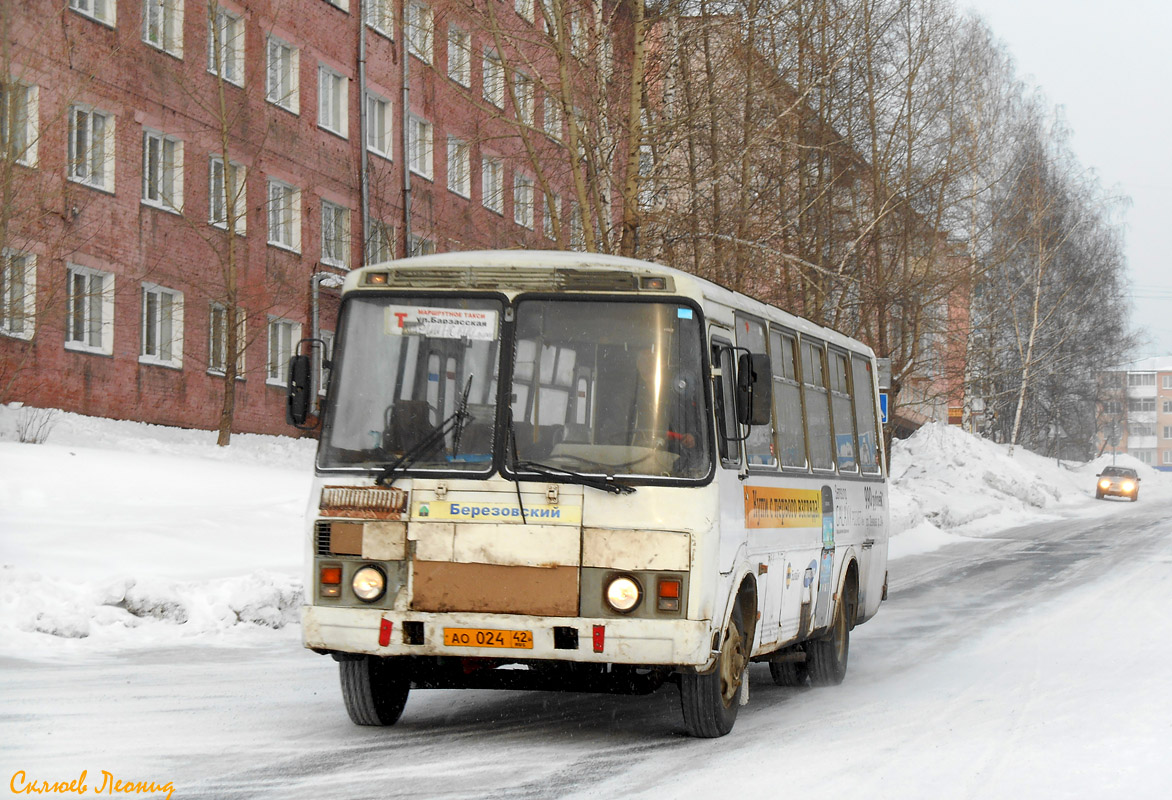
(1106, 62)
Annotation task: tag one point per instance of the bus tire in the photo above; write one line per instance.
(710, 702)
(374, 690)
(789, 673)
(826, 658)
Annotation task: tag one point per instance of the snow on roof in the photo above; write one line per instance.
(1152, 364)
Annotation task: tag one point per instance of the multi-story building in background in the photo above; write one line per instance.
(1136, 416)
(323, 133)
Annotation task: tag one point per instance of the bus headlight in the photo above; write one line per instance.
(368, 584)
(623, 594)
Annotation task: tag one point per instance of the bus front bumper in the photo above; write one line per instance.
(382, 632)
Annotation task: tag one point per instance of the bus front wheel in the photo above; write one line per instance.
(374, 690)
(710, 702)
(826, 658)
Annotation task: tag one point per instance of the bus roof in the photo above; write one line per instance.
(708, 293)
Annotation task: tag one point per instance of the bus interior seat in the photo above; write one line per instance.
(408, 423)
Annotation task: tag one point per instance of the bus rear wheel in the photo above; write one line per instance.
(373, 689)
(826, 658)
(787, 670)
(710, 702)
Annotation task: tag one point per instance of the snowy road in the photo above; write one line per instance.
(1033, 664)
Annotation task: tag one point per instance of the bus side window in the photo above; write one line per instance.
(787, 401)
(865, 414)
(817, 405)
(724, 395)
(759, 443)
(840, 405)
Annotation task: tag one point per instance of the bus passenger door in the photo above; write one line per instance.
(728, 450)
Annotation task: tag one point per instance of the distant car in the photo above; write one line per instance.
(1118, 481)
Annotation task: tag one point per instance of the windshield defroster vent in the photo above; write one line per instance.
(363, 502)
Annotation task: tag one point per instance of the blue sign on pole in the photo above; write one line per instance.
(883, 407)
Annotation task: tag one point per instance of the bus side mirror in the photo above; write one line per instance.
(297, 399)
(754, 389)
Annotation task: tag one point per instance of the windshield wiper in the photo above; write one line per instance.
(603, 482)
(453, 422)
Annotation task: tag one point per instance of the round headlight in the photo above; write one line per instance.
(1128, 486)
(1103, 484)
(623, 594)
(369, 584)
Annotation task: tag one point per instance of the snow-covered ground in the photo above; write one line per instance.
(118, 538)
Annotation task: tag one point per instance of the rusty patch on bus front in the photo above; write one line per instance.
(363, 502)
(495, 589)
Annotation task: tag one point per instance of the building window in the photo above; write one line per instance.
(343, 5)
(162, 25)
(1146, 456)
(283, 337)
(331, 96)
(162, 171)
(1141, 379)
(419, 146)
(460, 56)
(420, 246)
(459, 167)
(1166, 381)
(283, 68)
(551, 112)
(18, 308)
(380, 15)
(548, 208)
(162, 326)
(378, 125)
(1113, 407)
(577, 236)
(91, 147)
(419, 31)
(18, 122)
(492, 184)
(523, 200)
(523, 97)
(284, 215)
(1168, 431)
(524, 8)
(226, 192)
(218, 340)
(104, 11)
(335, 234)
(1168, 406)
(494, 79)
(226, 46)
(1141, 429)
(327, 352)
(1141, 404)
(1168, 456)
(380, 245)
(89, 324)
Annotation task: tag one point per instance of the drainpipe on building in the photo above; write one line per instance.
(404, 57)
(363, 123)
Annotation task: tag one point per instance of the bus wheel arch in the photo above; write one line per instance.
(828, 655)
(710, 699)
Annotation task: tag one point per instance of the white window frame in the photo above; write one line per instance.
(420, 146)
(325, 353)
(230, 29)
(379, 126)
(218, 339)
(419, 30)
(523, 96)
(380, 243)
(524, 8)
(1166, 381)
(494, 78)
(284, 215)
(1168, 406)
(1168, 456)
(19, 131)
(89, 320)
(492, 183)
(1167, 432)
(162, 171)
(18, 294)
(161, 329)
(217, 213)
(420, 245)
(342, 5)
(162, 25)
(459, 167)
(523, 199)
(333, 89)
(91, 151)
(103, 11)
(551, 117)
(380, 16)
(281, 347)
(547, 209)
(460, 56)
(283, 74)
(335, 234)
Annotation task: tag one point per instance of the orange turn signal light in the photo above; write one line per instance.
(669, 596)
(331, 575)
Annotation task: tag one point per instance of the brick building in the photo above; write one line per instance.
(1138, 411)
(325, 133)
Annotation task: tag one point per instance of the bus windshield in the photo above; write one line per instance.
(611, 388)
(415, 384)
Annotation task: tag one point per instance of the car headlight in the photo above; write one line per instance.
(1128, 486)
(623, 594)
(1104, 484)
(368, 584)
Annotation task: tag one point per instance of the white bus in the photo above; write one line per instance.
(579, 472)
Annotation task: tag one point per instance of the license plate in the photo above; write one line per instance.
(485, 637)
